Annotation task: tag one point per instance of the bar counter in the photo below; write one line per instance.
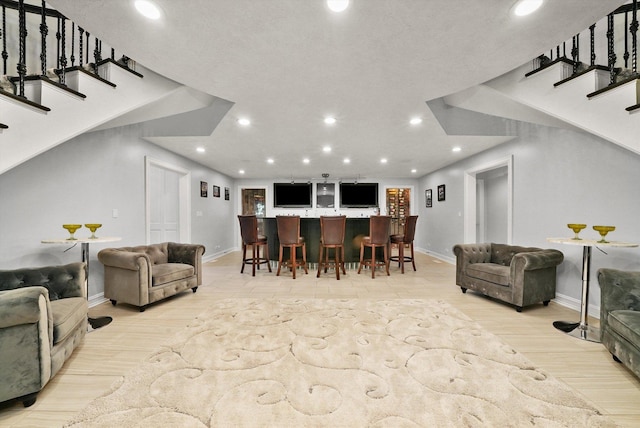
(356, 229)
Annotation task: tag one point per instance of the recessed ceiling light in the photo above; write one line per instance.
(413, 171)
(415, 120)
(329, 120)
(338, 5)
(346, 160)
(456, 149)
(526, 7)
(326, 149)
(270, 160)
(383, 160)
(241, 171)
(244, 121)
(305, 160)
(200, 150)
(147, 9)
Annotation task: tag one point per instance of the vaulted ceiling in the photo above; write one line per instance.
(287, 64)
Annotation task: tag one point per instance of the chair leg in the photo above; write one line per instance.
(385, 251)
(244, 256)
(304, 258)
(266, 256)
(401, 256)
(341, 248)
(279, 260)
(373, 261)
(413, 259)
(361, 257)
(320, 261)
(253, 260)
(336, 252)
(292, 253)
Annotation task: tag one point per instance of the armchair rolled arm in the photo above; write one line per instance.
(189, 254)
(23, 305)
(619, 290)
(536, 260)
(115, 257)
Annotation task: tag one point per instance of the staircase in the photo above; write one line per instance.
(54, 113)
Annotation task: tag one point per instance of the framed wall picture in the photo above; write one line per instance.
(441, 193)
(226, 193)
(204, 189)
(216, 191)
(427, 197)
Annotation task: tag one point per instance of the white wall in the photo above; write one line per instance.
(82, 181)
(559, 177)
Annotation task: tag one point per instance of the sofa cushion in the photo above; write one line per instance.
(67, 315)
(626, 324)
(491, 272)
(167, 272)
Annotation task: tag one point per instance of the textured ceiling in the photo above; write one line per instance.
(286, 64)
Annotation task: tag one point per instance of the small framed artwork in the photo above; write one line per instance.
(204, 189)
(216, 191)
(427, 197)
(226, 193)
(441, 194)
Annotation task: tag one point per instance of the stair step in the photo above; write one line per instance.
(544, 67)
(24, 100)
(122, 66)
(581, 73)
(613, 86)
(3, 126)
(88, 73)
(51, 82)
(633, 108)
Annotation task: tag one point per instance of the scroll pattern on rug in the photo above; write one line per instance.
(337, 363)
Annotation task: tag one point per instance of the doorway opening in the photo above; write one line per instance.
(488, 203)
(168, 202)
(254, 203)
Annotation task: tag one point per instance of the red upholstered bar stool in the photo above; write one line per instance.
(249, 232)
(332, 237)
(405, 239)
(379, 228)
(289, 236)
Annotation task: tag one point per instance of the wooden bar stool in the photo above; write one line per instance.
(249, 232)
(332, 236)
(289, 236)
(379, 228)
(405, 239)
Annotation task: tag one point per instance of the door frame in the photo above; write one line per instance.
(471, 197)
(184, 197)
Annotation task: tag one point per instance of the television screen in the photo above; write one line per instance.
(358, 195)
(292, 195)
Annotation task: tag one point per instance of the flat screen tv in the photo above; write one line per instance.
(292, 195)
(360, 195)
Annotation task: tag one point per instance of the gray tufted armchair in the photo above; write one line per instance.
(145, 274)
(43, 318)
(517, 275)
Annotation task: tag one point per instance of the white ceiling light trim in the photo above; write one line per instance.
(244, 121)
(330, 120)
(337, 5)
(526, 7)
(326, 149)
(415, 121)
(147, 9)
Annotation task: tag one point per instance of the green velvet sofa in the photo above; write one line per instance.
(517, 275)
(146, 274)
(43, 318)
(620, 316)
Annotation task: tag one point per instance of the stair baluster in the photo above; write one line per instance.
(80, 44)
(63, 58)
(592, 30)
(5, 54)
(73, 44)
(633, 28)
(611, 50)
(44, 30)
(22, 66)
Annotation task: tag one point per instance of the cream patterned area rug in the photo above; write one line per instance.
(337, 363)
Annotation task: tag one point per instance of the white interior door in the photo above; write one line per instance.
(168, 203)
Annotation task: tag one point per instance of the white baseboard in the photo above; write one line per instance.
(97, 299)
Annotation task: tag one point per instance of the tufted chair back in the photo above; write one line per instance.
(61, 281)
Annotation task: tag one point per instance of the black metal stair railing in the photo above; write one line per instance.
(18, 42)
(624, 18)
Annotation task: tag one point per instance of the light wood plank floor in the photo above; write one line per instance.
(108, 353)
